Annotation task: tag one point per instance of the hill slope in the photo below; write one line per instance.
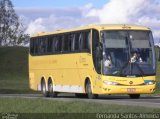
(14, 70)
(13, 61)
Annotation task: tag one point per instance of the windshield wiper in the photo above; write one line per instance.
(130, 70)
(123, 67)
(140, 69)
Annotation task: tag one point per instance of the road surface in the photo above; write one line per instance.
(145, 101)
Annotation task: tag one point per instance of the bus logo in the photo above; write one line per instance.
(131, 82)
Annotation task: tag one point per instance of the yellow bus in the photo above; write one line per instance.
(93, 60)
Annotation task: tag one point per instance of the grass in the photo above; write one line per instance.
(14, 70)
(15, 105)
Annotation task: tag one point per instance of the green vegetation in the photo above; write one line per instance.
(49, 109)
(14, 70)
(17, 105)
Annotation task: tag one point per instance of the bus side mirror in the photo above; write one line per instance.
(99, 50)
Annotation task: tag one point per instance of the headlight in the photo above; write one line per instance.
(110, 83)
(149, 82)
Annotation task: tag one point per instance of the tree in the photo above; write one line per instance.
(11, 30)
(159, 50)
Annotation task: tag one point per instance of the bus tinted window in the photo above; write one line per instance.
(32, 46)
(42, 46)
(36, 46)
(58, 43)
(73, 40)
(96, 59)
(65, 43)
(61, 43)
(50, 45)
(84, 41)
(69, 42)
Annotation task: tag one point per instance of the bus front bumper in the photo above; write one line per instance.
(115, 89)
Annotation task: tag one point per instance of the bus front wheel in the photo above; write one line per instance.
(134, 96)
(43, 89)
(89, 91)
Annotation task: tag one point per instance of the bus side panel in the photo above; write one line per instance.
(87, 71)
(62, 68)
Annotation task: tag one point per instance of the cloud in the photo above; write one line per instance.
(36, 26)
(141, 12)
(52, 19)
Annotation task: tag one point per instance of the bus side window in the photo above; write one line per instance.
(96, 59)
(35, 46)
(80, 39)
(84, 41)
(77, 45)
(65, 40)
(49, 45)
(73, 40)
(38, 46)
(41, 46)
(45, 45)
(69, 42)
(32, 46)
(53, 48)
(58, 44)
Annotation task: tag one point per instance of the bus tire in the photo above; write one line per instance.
(134, 96)
(43, 89)
(50, 89)
(89, 91)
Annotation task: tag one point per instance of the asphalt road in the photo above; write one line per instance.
(145, 101)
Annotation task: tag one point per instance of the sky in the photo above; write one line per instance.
(49, 15)
(57, 3)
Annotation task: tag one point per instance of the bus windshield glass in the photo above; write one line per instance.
(128, 53)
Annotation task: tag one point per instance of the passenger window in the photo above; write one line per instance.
(72, 40)
(77, 45)
(96, 59)
(65, 40)
(32, 46)
(36, 46)
(58, 43)
(69, 42)
(53, 48)
(84, 41)
(42, 45)
(49, 44)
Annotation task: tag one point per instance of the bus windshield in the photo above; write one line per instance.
(128, 53)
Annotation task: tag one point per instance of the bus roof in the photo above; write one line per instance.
(98, 27)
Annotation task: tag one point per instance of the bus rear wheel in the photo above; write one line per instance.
(43, 89)
(50, 89)
(134, 96)
(89, 91)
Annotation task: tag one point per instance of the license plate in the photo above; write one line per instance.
(131, 90)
